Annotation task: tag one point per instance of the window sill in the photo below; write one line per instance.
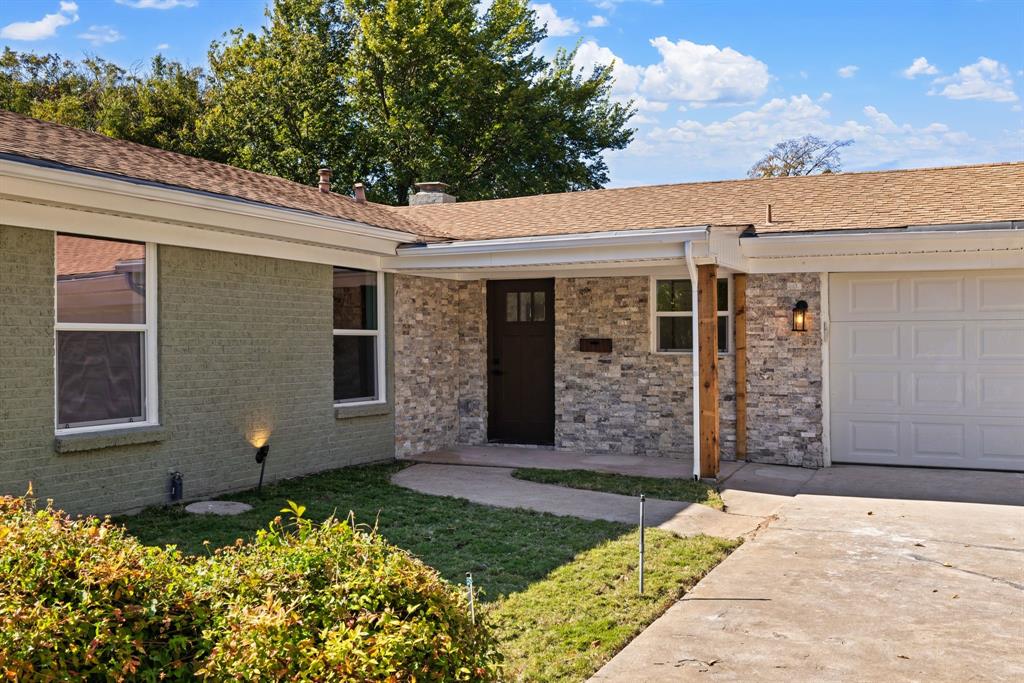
(93, 441)
(344, 412)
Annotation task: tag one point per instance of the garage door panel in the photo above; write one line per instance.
(936, 341)
(998, 341)
(933, 392)
(927, 369)
(942, 294)
(867, 342)
(1000, 293)
(1002, 442)
(1001, 392)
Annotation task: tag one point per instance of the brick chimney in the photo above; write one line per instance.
(431, 193)
(325, 179)
(359, 190)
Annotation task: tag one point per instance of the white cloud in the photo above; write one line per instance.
(101, 35)
(158, 4)
(848, 71)
(920, 67)
(704, 73)
(597, 21)
(163, 46)
(733, 144)
(43, 28)
(697, 75)
(644, 104)
(627, 78)
(556, 25)
(986, 79)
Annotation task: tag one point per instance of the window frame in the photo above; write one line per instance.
(655, 314)
(380, 347)
(149, 330)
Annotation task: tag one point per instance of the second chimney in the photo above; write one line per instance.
(359, 190)
(325, 179)
(431, 193)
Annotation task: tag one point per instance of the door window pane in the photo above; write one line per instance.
(99, 377)
(723, 333)
(100, 281)
(524, 307)
(674, 295)
(355, 368)
(675, 333)
(355, 299)
(723, 294)
(511, 307)
(539, 307)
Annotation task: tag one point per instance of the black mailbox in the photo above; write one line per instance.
(595, 345)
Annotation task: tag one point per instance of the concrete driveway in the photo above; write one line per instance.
(865, 574)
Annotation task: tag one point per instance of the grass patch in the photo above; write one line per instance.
(684, 490)
(567, 626)
(506, 550)
(561, 592)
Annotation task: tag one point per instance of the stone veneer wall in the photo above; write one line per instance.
(244, 346)
(440, 364)
(630, 401)
(784, 418)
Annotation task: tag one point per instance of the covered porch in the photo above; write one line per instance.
(612, 344)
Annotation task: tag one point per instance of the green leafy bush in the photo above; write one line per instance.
(80, 598)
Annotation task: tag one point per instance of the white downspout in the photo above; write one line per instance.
(690, 266)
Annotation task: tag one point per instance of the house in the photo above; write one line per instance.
(161, 314)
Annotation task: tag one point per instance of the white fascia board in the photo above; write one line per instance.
(63, 219)
(547, 251)
(791, 245)
(880, 251)
(567, 241)
(28, 182)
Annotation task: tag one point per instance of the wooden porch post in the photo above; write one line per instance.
(739, 286)
(707, 329)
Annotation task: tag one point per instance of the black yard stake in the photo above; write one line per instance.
(642, 544)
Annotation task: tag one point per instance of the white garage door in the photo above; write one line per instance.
(927, 369)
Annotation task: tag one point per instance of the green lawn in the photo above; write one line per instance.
(560, 591)
(685, 490)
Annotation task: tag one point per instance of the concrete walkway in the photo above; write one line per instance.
(496, 486)
(865, 574)
(520, 457)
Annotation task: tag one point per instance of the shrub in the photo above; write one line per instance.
(80, 598)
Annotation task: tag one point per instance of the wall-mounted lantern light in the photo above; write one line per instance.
(261, 458)
(800, 316)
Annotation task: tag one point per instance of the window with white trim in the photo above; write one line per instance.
(672, 323)
(358, 339)
(105, 334)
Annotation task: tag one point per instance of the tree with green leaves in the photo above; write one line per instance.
(160, 108)
(391, 92)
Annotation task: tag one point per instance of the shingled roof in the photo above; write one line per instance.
(23, 136)
(883, 199)
(880, 199)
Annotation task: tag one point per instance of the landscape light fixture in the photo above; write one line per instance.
(261, 458)
(800, 316)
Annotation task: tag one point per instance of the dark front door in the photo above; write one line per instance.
(521, 361)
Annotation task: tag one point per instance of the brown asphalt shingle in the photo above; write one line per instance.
(883, 199)
(28, 137)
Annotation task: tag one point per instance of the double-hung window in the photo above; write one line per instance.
(106, 371)
(358, 338)
(672, 326)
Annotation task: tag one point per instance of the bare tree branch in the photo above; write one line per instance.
(800, 156)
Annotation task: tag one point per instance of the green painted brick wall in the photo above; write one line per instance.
(245, 346)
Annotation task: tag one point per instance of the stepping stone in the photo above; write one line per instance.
(217, 507)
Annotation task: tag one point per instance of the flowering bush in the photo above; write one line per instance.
(80, 598)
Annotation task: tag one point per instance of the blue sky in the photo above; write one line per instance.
(912, 83)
